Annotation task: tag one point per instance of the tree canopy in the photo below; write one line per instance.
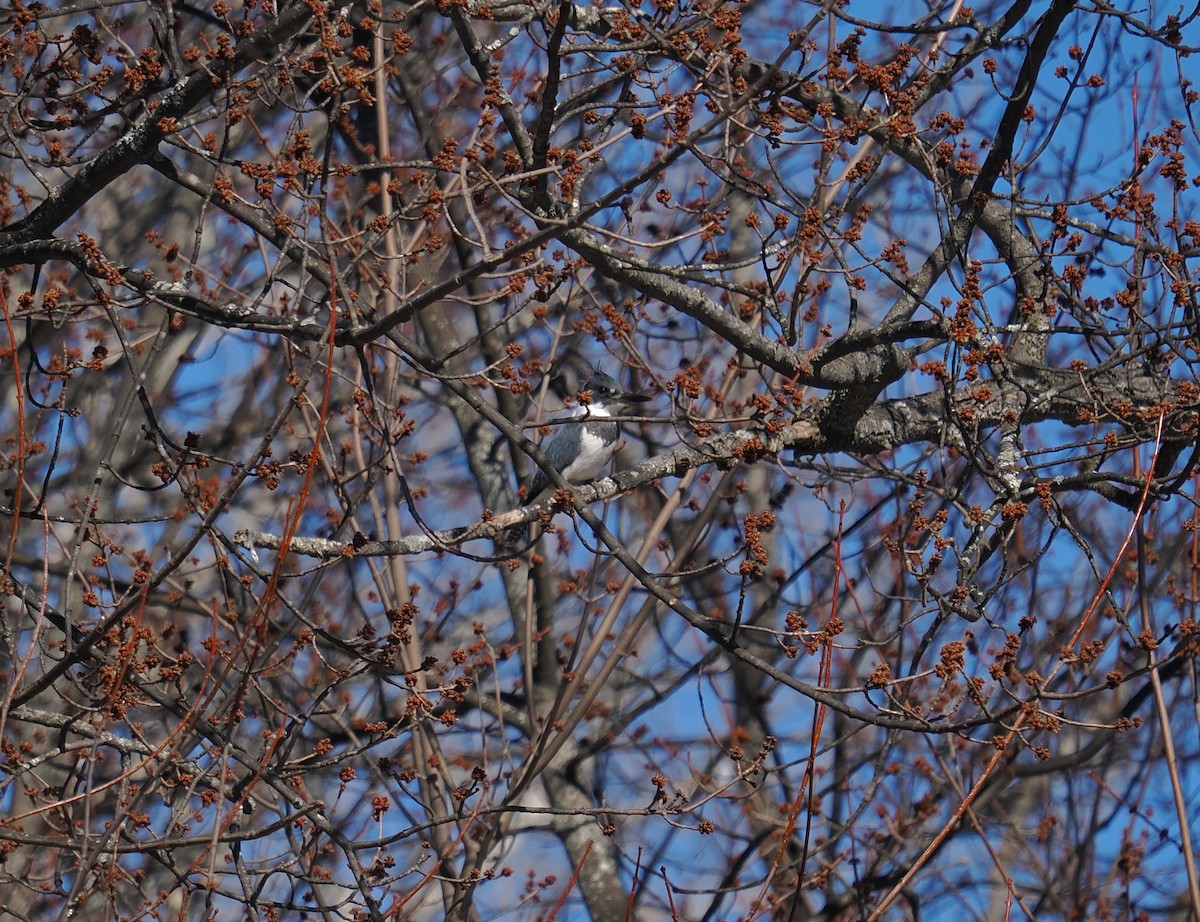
(889, 607)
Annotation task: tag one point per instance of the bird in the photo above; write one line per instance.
(581, 448)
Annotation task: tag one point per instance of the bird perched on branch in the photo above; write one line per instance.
(581, 448)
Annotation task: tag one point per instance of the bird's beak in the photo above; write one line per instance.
(632, 400)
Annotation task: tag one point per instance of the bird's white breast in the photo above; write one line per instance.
(594, 453)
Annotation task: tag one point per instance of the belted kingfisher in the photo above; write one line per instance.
(580, 449)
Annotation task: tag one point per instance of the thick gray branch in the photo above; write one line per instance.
(1111, 398)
